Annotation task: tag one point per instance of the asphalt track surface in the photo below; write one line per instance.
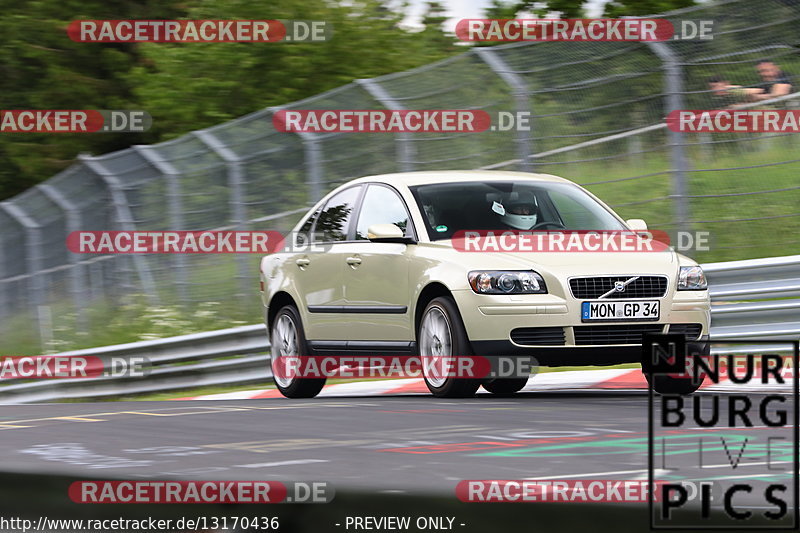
(387, 444)
(381, 443)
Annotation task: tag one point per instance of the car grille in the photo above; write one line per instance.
(691, 331)
(594, 287)
(538, 336)
(616, 334)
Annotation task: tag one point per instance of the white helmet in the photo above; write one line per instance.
(519, 211)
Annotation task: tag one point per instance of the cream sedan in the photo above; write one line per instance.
(394, 279)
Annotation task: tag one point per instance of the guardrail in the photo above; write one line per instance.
(239, 355)
(775, 284)
(224, 357)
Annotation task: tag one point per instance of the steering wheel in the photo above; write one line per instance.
(556, 225)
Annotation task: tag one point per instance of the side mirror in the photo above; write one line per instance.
(387, 233)
(636, 224)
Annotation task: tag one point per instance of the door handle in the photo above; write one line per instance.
(354, 261)
(303, 262)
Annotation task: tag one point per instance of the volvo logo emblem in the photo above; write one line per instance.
(619, 286)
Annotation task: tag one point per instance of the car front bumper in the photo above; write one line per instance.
(490, 320)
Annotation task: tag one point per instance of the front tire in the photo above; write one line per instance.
(441, 337)
(668, 385)
(289, 347)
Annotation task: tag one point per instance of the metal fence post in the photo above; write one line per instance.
(175, 203)
(236, 199)
(124, 219)
(313, 155)
(78, 281)
(673, 88)
(4, 305)
(406, 152)
(313, 159)
(6, 280)
(525, 145)
(33, 259)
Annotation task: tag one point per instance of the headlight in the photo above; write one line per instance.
(506, 282)
(692, 279)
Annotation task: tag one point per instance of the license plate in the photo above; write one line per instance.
(620, 310)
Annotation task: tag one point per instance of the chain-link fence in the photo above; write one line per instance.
(597, 117)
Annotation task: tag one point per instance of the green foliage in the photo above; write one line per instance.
(619, 8)
(189, 87)
(577, 8)
(41, 68)
(183, 86)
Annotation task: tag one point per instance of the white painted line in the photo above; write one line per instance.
(720, 478)
(572, 379)
(284, 463)
(365, 388)
(548, 381)
(588, 474)
(761, 463)
(238, 395)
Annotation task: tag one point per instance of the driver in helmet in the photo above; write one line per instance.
(518, 211)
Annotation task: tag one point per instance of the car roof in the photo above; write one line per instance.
(450, 176)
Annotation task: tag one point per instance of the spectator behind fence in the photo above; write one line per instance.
(774, 82)
(724, 95)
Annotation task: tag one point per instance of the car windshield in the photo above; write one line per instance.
(509, 205)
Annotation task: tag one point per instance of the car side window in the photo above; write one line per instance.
(304, 233)
(381, 205)
(334, 219)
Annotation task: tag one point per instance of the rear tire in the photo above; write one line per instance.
(288, 340)
(505, 387)
(441, 336)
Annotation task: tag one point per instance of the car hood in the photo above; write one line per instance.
(572, 263)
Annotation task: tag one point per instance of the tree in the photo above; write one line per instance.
(184, 86)
(433, 35)
(619, 8)
(41, 68)
(193, 86)
(577, 8)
